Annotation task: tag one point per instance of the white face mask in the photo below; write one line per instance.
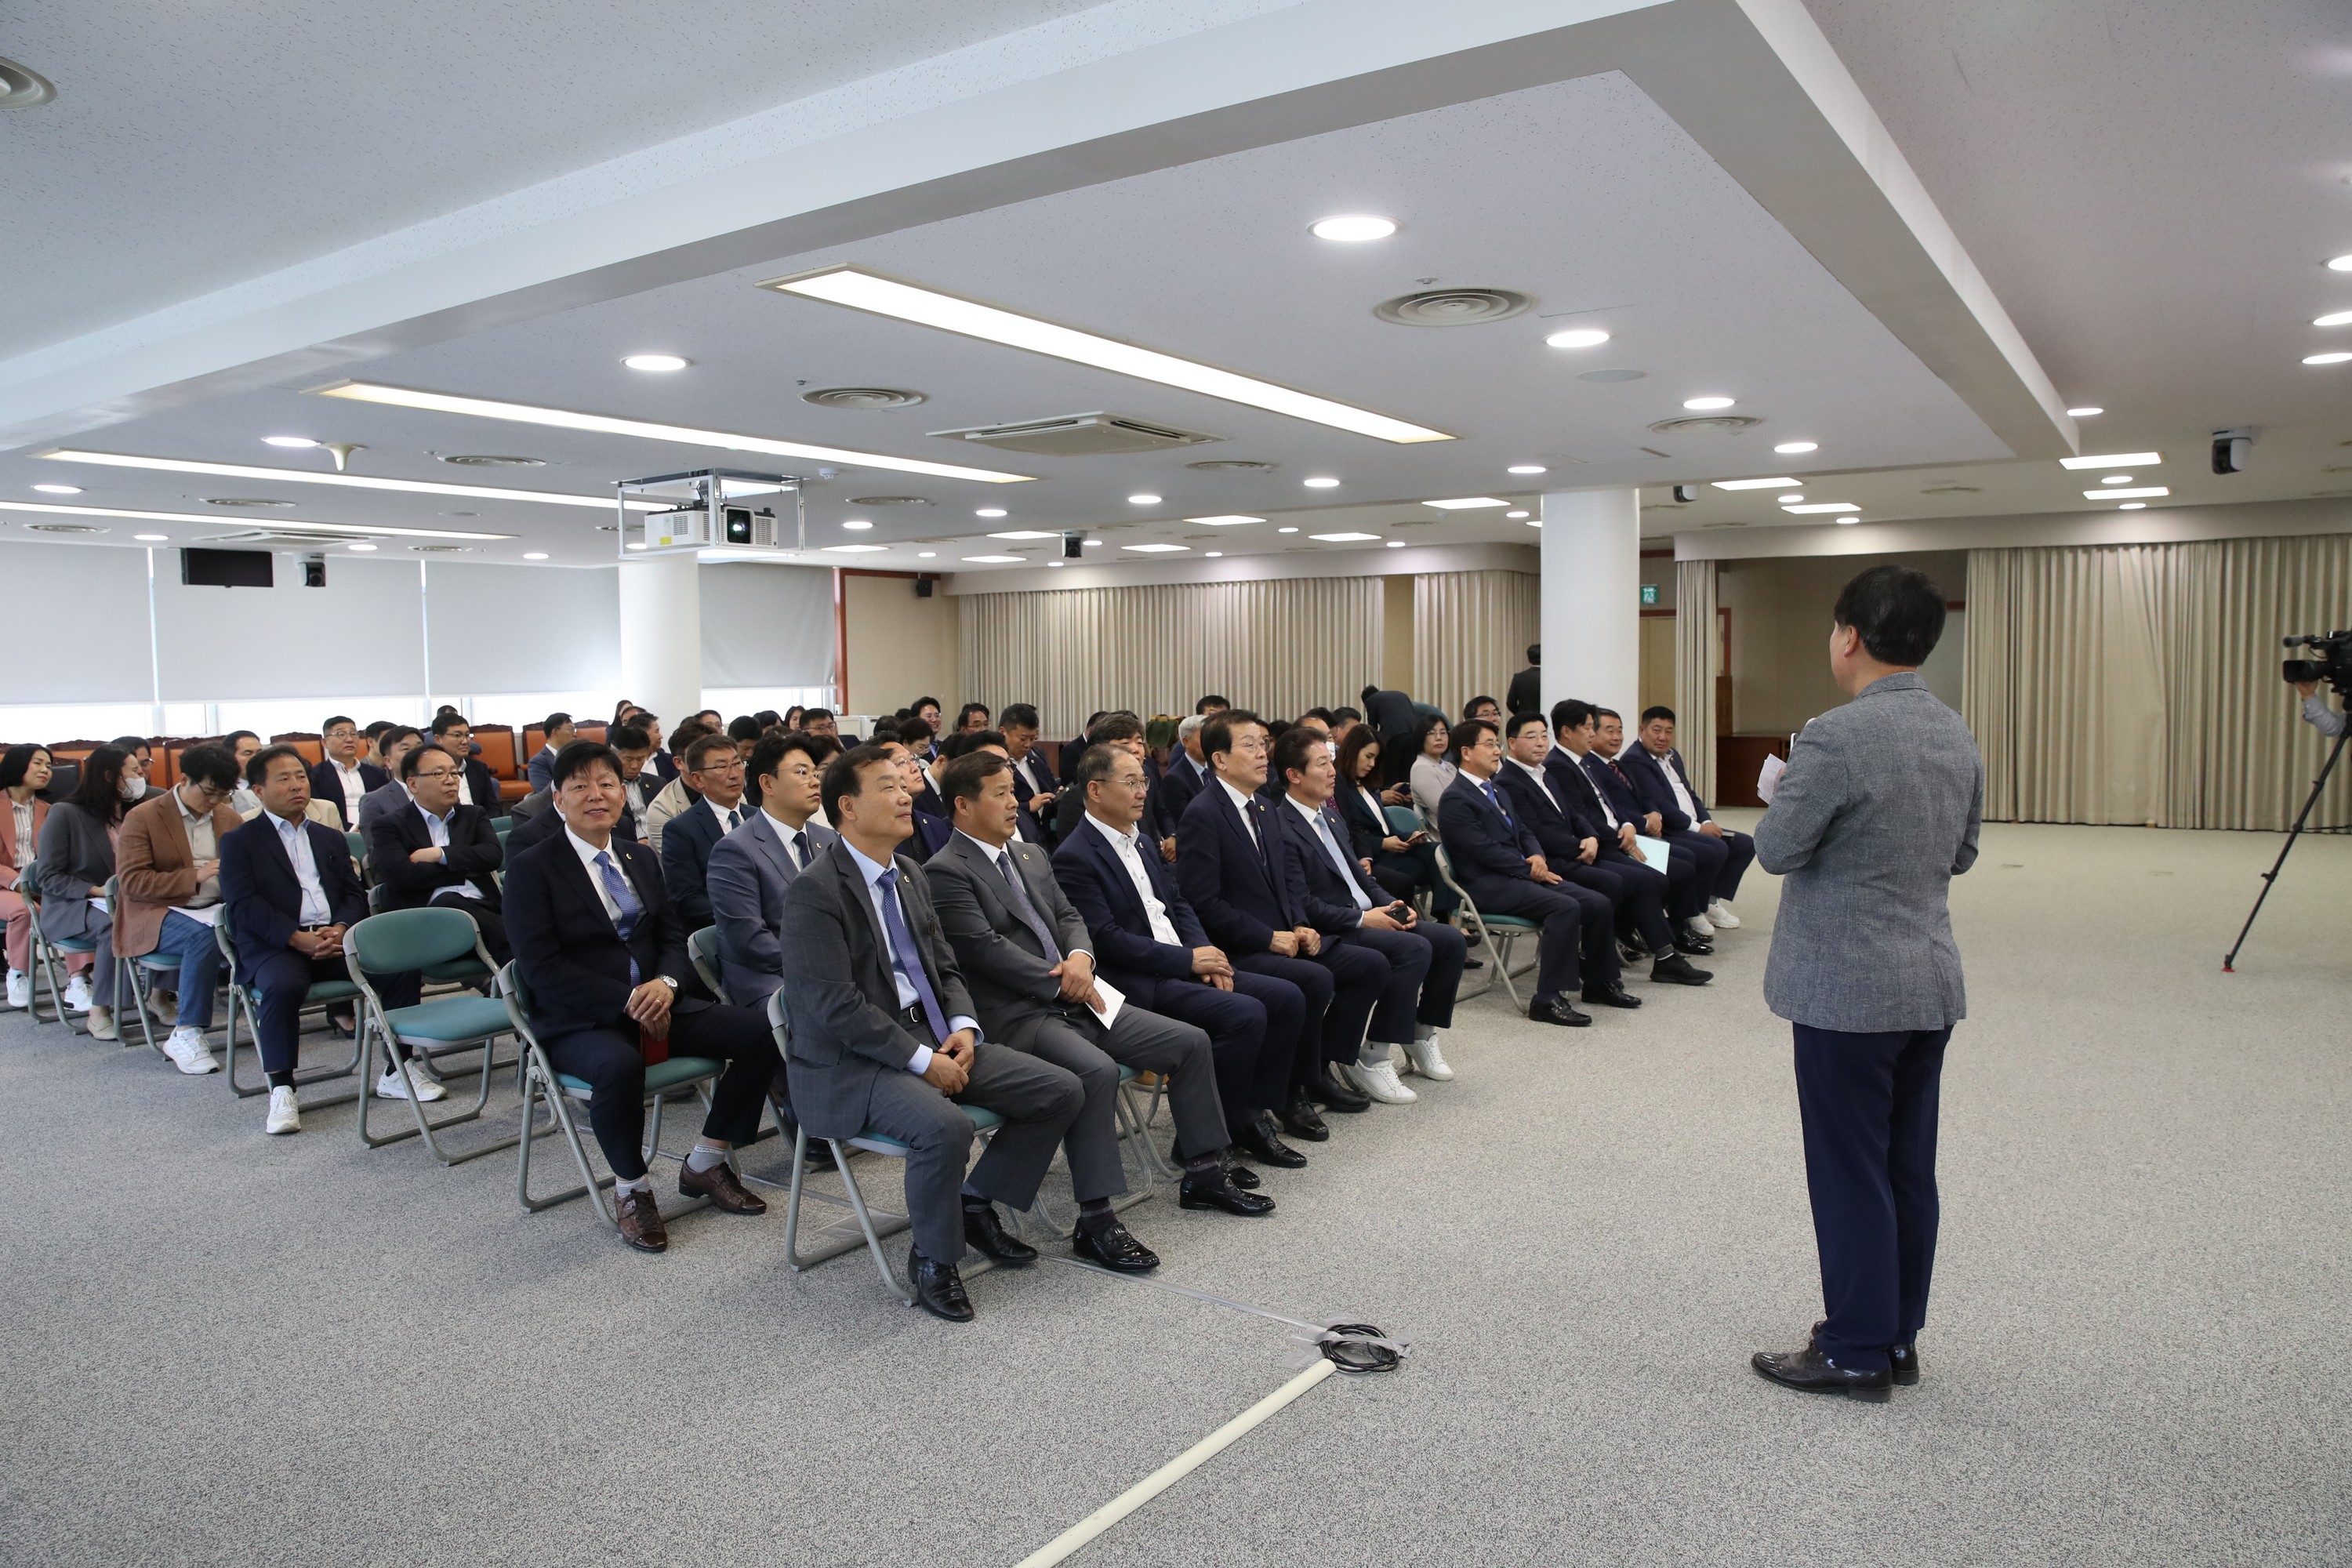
(133, 786)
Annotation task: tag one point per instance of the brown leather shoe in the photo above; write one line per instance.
(720, 1185)
(640, 1220)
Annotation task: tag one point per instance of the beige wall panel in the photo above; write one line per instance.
(900, 647)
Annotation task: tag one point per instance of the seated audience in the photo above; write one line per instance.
(391, 797)
(821, 722)
(1211, 703)
(24, 773)
(1502, 868)
(1433, 766)
(1484, 708)
(559, 734)
(341, 778)
(926, 709)
(440, 850)
(744, 730)
(1576, 730)
(167, 872)
(661, 767)
(1722, 856)
(1247, 893)
(678, 793)
(241, 744)
(1186, 771)
(919, 738)
(972, 717)
(1686, 891)
(796, 717)
(632, 746)
(715, 772)
(1405, 864)
(604, 957)
(1034, 776)
(884, 1037)
(752, 867)
(77, 857)
(928, 831)
(1028, 963)
(140, 763)
(476, 785)
(1073, 749)
(290, 893)
(1122, 729)
(1344, 720)
(1425, 959)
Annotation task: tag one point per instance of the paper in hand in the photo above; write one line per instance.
(1113, 999)
(1768, 780)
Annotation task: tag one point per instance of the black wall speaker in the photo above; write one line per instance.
(922, 587)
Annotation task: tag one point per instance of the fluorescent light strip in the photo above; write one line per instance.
(1232, 519)
(1823, 506)
(350, 481)
(2114, 460)
(1024, 533)
(862, 290)
(1155, 548)
(2126, 494)
(1782, 484)
(1465, 504)
(995, 560)
(604, 425)
(1344, 538)
(216, 521)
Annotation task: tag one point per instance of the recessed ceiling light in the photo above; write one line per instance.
(363, 549)
(296, 441)
(655, 362)
(909, 302)
(2326, 358)
(602, 425)
(58, 489)
(2340, 263)
(1823, 506)
(1792, 449)
(1320, 484)
(2133, 506)
(1344, 538)
(1396, 544)
(1210, 555)
(534, 555)
(1844, 521)
(990, 511)
(1285, 530)
(1055, 565)
(350, 481)
(1537, 522)
(1226, 520)
(1024, 533)
(1154, 549)
(2114, 460)
(153, 538)
(1791, 499)
(1701, 404)
(215, 520)
(1143, 500)
(1577, 338)
(857, 524)
(1525, 468)
(2085, 413)
(1753, 484)
(2333, 318)
(1465, 504)
(854, 549)
(1514, 514)
(2116, 479)
(2123, 495)
(1354, 227)
(927, 554)
(634, 544)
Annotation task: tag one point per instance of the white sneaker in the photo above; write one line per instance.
(285, 1114)
(186, 1047)
(1719, 915)
(1699, 925)
(20, 988)
(421, 1068)
(1381, 1081)
(393, 1086)
(101, 1024)
(77, 998)
(1424, 1058)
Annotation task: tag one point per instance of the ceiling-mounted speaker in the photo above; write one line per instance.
(1072, 543)
(922, 587)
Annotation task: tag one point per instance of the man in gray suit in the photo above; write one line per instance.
(752, 867)
(884, 1038)
(1030, 962)
(1877, 812)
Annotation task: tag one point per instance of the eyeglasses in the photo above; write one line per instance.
(463, 737)
(435, 774)
(731, 766)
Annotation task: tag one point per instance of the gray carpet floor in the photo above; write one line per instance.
(220, 1348)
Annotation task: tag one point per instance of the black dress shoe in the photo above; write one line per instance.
(1261, 1143)
(1216, 1190)
(1327, 1090)
(1469, 964)
(1675, 970)
(1814, 1372)
(1558, 1010)
(1611, 993)
(987, 1233)
(1111, 1246)
(938, 1288)
(1696, 946)
(1906, 1364)
(1298, 1119)
(1245, 1178)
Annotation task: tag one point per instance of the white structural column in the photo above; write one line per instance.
(661, 634)
(1592, 599)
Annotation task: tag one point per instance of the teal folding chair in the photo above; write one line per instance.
(245, 998)
(1404, 821)
(702, 947)
(139, 974)
(48, 953)
(437, 939)
(1500, 935)
(359, 853)
(541, 1081)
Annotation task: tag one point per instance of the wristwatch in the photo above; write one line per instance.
(668, 982)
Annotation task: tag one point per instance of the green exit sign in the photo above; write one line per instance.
(1649, 593)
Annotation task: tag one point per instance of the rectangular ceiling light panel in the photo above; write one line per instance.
(2126, 494)
(1234, 519)
(1344, 538)
(1465, 503)
(995, 560)
(216, 520)
(1783, 483)
(604, 425)
(2114, 460)
(1154, 549)
(1823, 506)
(869, 291)
(350, 481)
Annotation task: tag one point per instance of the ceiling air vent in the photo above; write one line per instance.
(1703, 422)
(1452, 307)
(441, 549)
(1232, 466)
(281, 538)
(491, 460)
(1080, 436)
(63, 528)
(890, 500)
(862, 397)
(253, 502)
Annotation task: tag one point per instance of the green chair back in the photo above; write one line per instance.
(1404, 820)
(702, 946)
(401, 940)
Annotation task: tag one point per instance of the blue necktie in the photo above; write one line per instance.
(905, 957)
(1028, 910)
(801, 850)
(1495, 800)
(632, 911)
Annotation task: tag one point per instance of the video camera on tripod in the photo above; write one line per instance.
(2333, 666)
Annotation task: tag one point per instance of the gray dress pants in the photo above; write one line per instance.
(1038, 1101)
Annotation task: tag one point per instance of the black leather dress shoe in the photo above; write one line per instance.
(1675, 970)
(1469, 964)
(1245, 1178)
(1261, 1143)
(1558, 1010)
(1327, 1091)
(1906, 1364)
(1111, 1246)
(1814, 1372)
(938, 1288)
(1631, 952)
(1298, 1119)
(1696, 946)
(987, 1233)
(1610, 994)
(1216, 1190)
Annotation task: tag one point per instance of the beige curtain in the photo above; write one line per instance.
(1278, 648)
(1698, 661)
(2139, 683)
(1470, 634)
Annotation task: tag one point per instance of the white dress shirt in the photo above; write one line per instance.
(1000, 861)
(354, 788)
(1027, 768)
(465, 786)
(1607, 813)
(437, 829)
(1320, 826)
(203, 845)
(296, 837)
(1242, 803)
(907, 996)
(730, 817)
(1674, 781)
(588, 853)
(1127, 847)
(787, 832)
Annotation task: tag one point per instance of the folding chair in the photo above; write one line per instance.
(359, 853)
(1404, 821)
(433, 940)
(702, 947)
(541, 1081)
(244, 998)
(1500, 935)
(47, 952)
(139, 972)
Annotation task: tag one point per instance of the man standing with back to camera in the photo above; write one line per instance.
(1876, 814)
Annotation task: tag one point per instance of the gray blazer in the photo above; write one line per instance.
(1876, 815)
(842, 1006)
(750, 870)
(76, 856)
(1008, 972)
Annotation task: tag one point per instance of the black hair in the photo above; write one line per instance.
(395, 733)
(1217, 734)
(556, 722)
(1323, 713)
(234, 736)
(257, 767)
(964, 778)
(1466, 733)
(375, 726)
(743, 727)
(1119, 726)
(1366, 694)
(914, 729)
(826, 745)
(1600, 713)
(132, 743)
(963, 743)
(414, 759)
(1899, 611)
(1211, 701)
(629, 738)
(810, 715)
(768, 718)
(1535, 653)
(885, 731)
(1569, 713)
(1095, 765)
(770, 754)
(209, 765)
(577, 756)
(447, 719)
(15, 763)
(922, 703)
(1293, 751)
(1418, 747)
(705, 746)
(1657, 711)
(1016, 716)
(844, 775)
(1518, 721)
(329, 723)
(1348, 714)
(1470, 709)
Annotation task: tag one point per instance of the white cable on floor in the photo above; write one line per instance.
(1174, 1470)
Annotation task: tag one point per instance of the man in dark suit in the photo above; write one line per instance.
(537, 820)
(605, 958)
(715, 774)
(290, 893)
(1583, 849)
(1179, 781)
(1526, 693)
(540, 771)
(340, 778)
(752, 867)
(1030, 964)
(391, 797)
(1575, 725)
(884, 1038)
(1238, 879)
(476, 785)
(1722, 855)
(439, 850)
(1502, 868)
(1690, 875)
(1037, 786)
(1425, 959)
(1149, 943)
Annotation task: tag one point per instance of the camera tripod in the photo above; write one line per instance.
(2270, 878)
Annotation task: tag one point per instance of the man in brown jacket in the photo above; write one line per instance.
(167, 868)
